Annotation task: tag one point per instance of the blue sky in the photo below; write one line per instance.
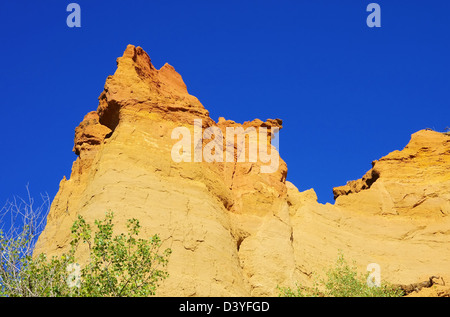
(348, 94)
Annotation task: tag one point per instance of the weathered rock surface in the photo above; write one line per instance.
(234, 229)
(411, 182)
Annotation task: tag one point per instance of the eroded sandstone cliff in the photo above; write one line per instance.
(235, 230)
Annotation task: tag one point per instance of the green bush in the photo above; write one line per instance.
(121, 265)
(342, 281)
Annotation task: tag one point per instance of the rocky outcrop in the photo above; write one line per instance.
(226, 222)
(235, 225)
(414, 181)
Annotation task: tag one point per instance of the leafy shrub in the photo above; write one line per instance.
(342, 281)
(121, 265)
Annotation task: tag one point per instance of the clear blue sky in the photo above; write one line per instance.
(348, 94)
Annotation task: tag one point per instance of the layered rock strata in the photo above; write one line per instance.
(234, 228)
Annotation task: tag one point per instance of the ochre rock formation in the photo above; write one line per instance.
(236, 230)
(411, 182)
